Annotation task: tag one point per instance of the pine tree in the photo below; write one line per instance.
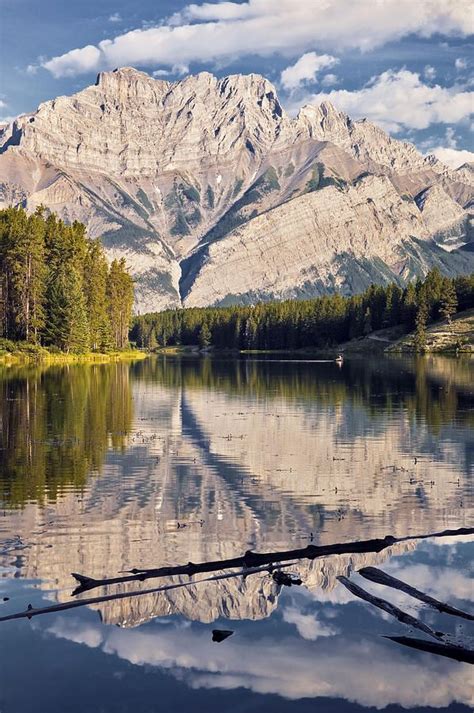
(120, 302)
(448, 300)
(67, 326)
(409, 307)
(419, 340)
(205, 336)
(95, 289)
(367, 321)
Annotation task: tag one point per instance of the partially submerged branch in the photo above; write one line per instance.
(376, 575)
(457, 653)
(31, 612)
(254, 559)
(390, 609)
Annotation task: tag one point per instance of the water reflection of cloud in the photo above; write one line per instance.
(308, 625)
(445, 583)
(291, 667)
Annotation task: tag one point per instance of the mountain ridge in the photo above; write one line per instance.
(179, 177)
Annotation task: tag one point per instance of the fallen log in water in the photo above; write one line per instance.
(255, 559)
(31, 611)
(458, 653)
(376, 575)
(390, 608)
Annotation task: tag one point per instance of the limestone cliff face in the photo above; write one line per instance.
(178, 177)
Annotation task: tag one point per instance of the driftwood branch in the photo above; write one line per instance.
(254, 559)
(457, 653)
(31, 611)
(390, 608)
(376, 575)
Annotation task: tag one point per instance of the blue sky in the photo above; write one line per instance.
(405, 64)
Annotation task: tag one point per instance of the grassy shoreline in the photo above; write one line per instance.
(43, 356)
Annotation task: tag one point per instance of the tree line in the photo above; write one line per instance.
(314, 323)
(56, 287)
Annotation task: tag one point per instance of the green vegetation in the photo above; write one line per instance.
(237, 187)
(318, 180)
(453, 335)
(309, 324)
(190, 192)
(57, 292)
(235, 216)
(181, 201)
(210, 197)
(143, 198)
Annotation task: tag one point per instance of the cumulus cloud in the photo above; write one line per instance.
(215, 32)
(179, 69)
(306, 69)
(329, 80)
(74, 62)
(307, 625)
(429, 72)
(460, 63)
(452, 156)
(115, 17)
(401, 100)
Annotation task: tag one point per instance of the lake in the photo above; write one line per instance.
(106, 468)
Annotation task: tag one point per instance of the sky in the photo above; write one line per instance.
(406, 65)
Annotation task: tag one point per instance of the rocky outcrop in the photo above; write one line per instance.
(188, 179)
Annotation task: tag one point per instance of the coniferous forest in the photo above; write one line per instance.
(315, 323)
(56, 287)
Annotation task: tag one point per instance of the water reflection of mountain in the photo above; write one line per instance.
(262, 453)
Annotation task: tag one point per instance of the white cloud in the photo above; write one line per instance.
(116, 17)
(449, 153)
(179, 69)
(2, 104)
(460, 63)
(453, 157)
(74, 62)
(287, 666)
(215, 32)
(308, 626)
(429, 72)
(397, 100)
(329, 80)
(306, 69)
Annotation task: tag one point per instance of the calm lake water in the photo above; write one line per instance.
(108, 467)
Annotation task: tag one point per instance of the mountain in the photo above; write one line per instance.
(215, 195)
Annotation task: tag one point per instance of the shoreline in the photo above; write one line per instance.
(45, 357)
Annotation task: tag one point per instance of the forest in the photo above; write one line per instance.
(314, 323)
(57, 289)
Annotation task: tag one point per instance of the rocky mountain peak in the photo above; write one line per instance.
(190, 178)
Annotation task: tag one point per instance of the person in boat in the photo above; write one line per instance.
(339, 359)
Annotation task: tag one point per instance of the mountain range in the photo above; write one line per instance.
(215, 195)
